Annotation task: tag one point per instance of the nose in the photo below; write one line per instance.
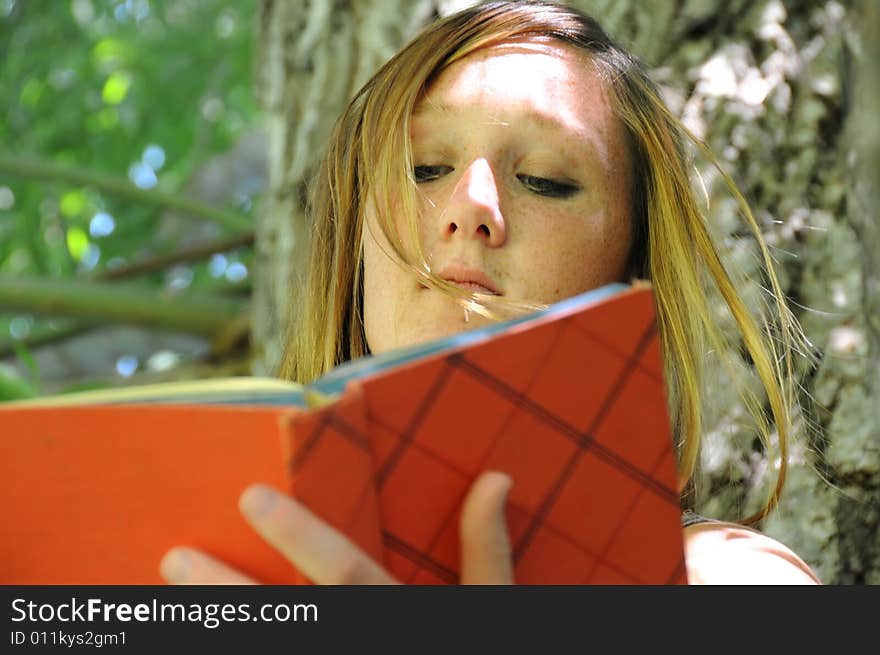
(474, 209)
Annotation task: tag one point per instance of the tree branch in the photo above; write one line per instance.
(186, 255)
(43, 336)
(120, 303)
(45, 170)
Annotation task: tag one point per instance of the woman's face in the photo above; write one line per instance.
(523, 191)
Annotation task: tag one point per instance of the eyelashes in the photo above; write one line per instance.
(429, 173)
(546, 187)
(541, 186)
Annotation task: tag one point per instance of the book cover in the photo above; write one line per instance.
(568, 401)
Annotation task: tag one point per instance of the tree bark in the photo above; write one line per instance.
(781, 92)
(313, 56)
(771, 87)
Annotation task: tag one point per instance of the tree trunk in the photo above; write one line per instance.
(313, 56)
(777, 90)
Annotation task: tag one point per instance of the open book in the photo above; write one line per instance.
(569, 401)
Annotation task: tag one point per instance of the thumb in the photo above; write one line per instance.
(485, 545)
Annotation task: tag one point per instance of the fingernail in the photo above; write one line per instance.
(506, 482)
(175, 566)
(257, 500)
(508, 487)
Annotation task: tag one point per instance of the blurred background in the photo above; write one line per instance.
(155, 154)
(131, 159)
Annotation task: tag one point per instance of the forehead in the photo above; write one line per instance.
(552, 83)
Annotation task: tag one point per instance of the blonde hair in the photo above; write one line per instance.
(369, 153)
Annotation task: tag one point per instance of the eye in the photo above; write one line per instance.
(428, 173)
(550, 188)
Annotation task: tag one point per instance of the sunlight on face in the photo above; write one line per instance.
(523, 191)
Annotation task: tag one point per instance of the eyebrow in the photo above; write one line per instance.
(588, 137)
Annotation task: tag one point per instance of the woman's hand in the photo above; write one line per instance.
(326, 556)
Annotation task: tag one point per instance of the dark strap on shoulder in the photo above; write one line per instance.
(689, 517)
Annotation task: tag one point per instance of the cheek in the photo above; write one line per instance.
(573, 255)
(375, 289)
(431, 206)
(388, 291)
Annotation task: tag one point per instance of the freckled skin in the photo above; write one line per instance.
(492, 128)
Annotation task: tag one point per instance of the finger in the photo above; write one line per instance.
(320, 552)
(189, 566)
(485, 545)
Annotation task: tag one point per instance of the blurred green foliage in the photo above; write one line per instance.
(147, 90)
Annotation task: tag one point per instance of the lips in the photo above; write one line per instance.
(470, 279)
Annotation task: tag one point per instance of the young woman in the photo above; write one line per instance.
(509, 157)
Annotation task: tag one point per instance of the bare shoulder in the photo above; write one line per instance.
(727, 553)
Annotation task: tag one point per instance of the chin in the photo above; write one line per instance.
(452, 325)
(422, 324)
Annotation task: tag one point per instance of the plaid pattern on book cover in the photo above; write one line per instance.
(572, 408)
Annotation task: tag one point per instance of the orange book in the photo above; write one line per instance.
(569, 401)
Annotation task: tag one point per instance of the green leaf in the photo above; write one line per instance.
(77, 243)
(73, 203)
(103, 121)
(109, 54)
(12, 387)
(24, 354)
(116, 87)
(31, 92)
